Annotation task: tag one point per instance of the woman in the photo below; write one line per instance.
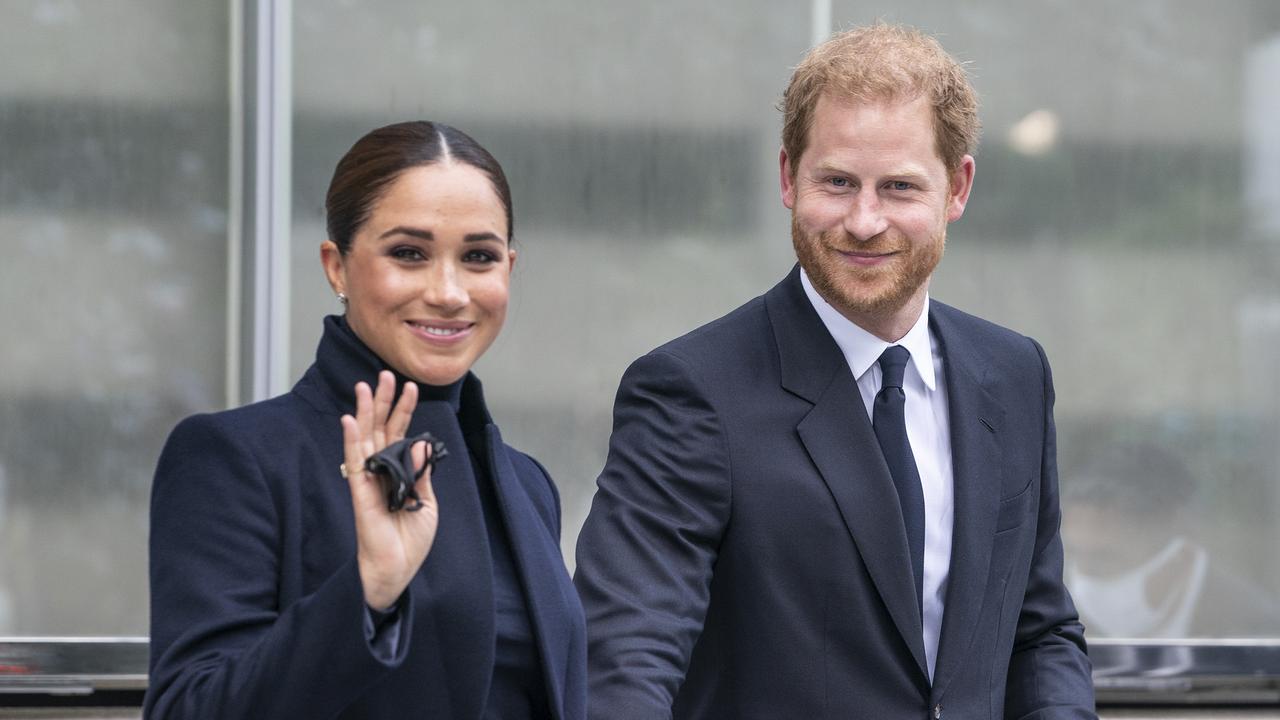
(279, 589)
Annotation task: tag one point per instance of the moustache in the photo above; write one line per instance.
(878, 245)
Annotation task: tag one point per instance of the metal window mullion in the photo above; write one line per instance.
(267, 192)
(820, 22)
(235, 200)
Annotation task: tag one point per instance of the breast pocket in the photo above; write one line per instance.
(1014, 510)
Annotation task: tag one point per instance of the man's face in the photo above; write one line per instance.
(870, 203)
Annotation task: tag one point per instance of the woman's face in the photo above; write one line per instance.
(427, 276)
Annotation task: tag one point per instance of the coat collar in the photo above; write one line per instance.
(807, 354)
(839, 438)
(342, 360)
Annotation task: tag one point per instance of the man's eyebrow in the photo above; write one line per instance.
(907, 168)
(909, 173)
(829, 166)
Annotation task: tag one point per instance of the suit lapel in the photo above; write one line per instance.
(976, 420)
(839, 439)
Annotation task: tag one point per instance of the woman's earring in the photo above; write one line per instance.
(342, 298)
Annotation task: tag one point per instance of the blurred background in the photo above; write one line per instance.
(1126, 214)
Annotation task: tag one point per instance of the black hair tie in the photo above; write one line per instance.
(394, 467)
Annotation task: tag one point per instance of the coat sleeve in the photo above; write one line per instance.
(647, 550)
(1049, 671)
(221, 644)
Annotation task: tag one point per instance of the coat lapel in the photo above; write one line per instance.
(538, 562)
(976, 421)
(459, 570)
(838, 437)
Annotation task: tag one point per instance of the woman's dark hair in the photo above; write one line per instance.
(378, 158)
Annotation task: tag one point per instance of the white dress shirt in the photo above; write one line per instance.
(928, 430)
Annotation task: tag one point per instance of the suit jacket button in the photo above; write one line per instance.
(937, 711)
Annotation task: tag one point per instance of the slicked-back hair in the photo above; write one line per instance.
(375, 161)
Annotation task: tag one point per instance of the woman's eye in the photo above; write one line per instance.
(479, 256)
(407, 253)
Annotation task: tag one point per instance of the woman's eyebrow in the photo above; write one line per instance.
(428, 235)
(410, 231)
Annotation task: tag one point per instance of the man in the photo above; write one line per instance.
(775, 534)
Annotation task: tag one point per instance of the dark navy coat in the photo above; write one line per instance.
(256, 605)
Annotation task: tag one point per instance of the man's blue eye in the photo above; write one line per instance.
(901, 185)
(840, 182)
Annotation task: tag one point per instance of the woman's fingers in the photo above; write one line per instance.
(402, 413)
(382, 408)
(353, 455)
(364, 418)
(379, 423)
(375, 425)
(350, 444)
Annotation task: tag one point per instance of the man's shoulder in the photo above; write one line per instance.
(728, 336)
(955, 324)
(723, 355)
(954, 318)
(985, 348)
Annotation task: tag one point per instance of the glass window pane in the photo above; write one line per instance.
(113, 190)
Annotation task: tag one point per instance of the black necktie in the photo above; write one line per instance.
(889, 420)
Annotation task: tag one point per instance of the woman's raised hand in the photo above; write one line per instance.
(390, 546)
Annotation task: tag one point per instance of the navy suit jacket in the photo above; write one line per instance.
(256, 605)
(745, 555)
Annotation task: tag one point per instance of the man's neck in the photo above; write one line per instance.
(892, 324)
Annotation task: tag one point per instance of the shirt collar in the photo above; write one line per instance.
(862, 349)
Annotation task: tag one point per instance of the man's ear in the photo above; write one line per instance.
(787, 180)
(961, 184)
